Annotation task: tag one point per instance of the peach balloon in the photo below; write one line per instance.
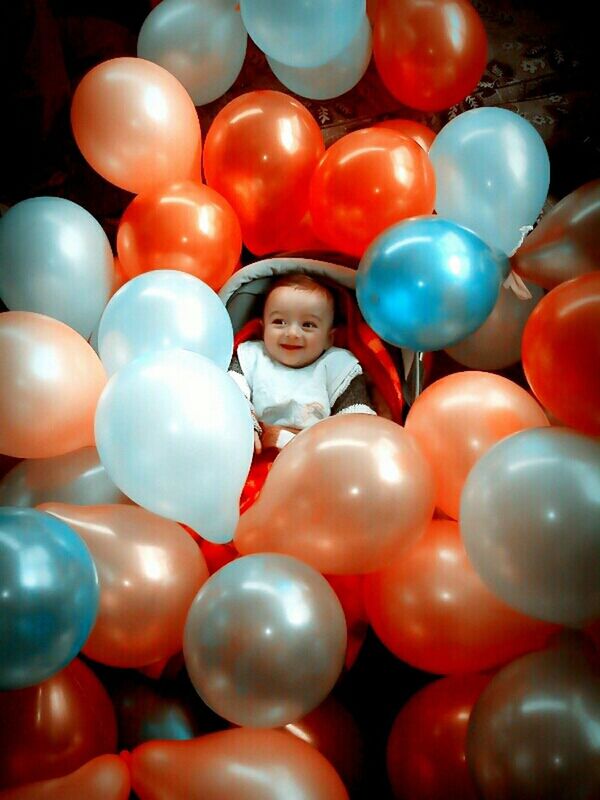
(51, 380)
(244, 763)
(345, 495)
(409, 127)
(185, 226)
(459, 417)
(136, 125)
(150, 571)
(102, 778)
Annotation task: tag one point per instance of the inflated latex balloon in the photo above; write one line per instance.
(102, 778)
(302, 34)
(367, 181)
(240, 763)
(77, 477)
(136, 125)
(429, 55)
(264, 640)
(497, 343)
(201, 42)
(261, 151)
(529, 519)
(492, 174)
(349, 590)
(175, 434)
(431, 609)
(459, 417)
(409, 127)
(51, 380)
(426, 746)
(345, 495)
(532, 730)
(561, 352)
(335, 77)
(55, 259)
(185, 226)
(164, 309)
(150, 571)
(566, 241)
(426, 283)
(49, 598)
(55, 727)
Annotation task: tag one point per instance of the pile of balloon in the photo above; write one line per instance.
(468, 537)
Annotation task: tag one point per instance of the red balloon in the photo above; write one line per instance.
(429, 55)
(349, 589)
(367, 181)
(561, 352)
(102, 778)
(426, 747)
(409, 127)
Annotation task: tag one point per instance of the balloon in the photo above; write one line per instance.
(345, 496)
(431, 609)
(164, 309)
(51, 380)
(184, 226)
(459, 417)
(264, 640)
(240, 763)
(55, 727)
(261, 151)
(561, 345)
(150, 571)
(335, 77)
(409, 127)
(367, 181)
(55, 259)
(303, 34)
(49, 597)
(136, 125)
(492, 174)
(430, 56)
(175, 435)
(102, 778)
(349, 590)
(426, 746)
(532, 730)
(77, 477)
(566, 241)
(497, 343)
(201, 42)
(426, 283)
(529, 519)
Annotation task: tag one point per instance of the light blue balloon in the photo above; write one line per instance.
(335, 77)
(164, 309)
(302, 33)
(201, 42)
(492, 174)
(55, 259)
(426, 283)
(49, 596)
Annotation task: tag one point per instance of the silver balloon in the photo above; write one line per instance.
(264, 641)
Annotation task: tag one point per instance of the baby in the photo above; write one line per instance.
(295, 377)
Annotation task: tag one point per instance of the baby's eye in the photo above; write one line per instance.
(309, 324)
(277, 321)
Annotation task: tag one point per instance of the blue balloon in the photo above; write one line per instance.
(49, 596)
(427, 283)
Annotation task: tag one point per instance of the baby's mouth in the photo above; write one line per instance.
(292, 346)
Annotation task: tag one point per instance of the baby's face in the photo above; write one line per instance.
(297, 325)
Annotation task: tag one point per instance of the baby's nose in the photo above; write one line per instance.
(295, 330)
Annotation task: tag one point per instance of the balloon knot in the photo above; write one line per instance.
(516, 283)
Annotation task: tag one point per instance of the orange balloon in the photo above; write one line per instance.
(185, 226)
(51, 380)
(561, 352)
(431, 609)
(150, 570)
(243, 763)
(53, 728)
(102, 778)
(344, 496)
(260, 153)
(429, 55)
(302, 237)
(367, 181)
(409, 127)
(349, 590)
(136, 125)
(459, 417)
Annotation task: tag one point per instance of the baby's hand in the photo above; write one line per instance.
(257, 444)
(271, 436)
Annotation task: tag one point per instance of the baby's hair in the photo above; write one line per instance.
(299, 280)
